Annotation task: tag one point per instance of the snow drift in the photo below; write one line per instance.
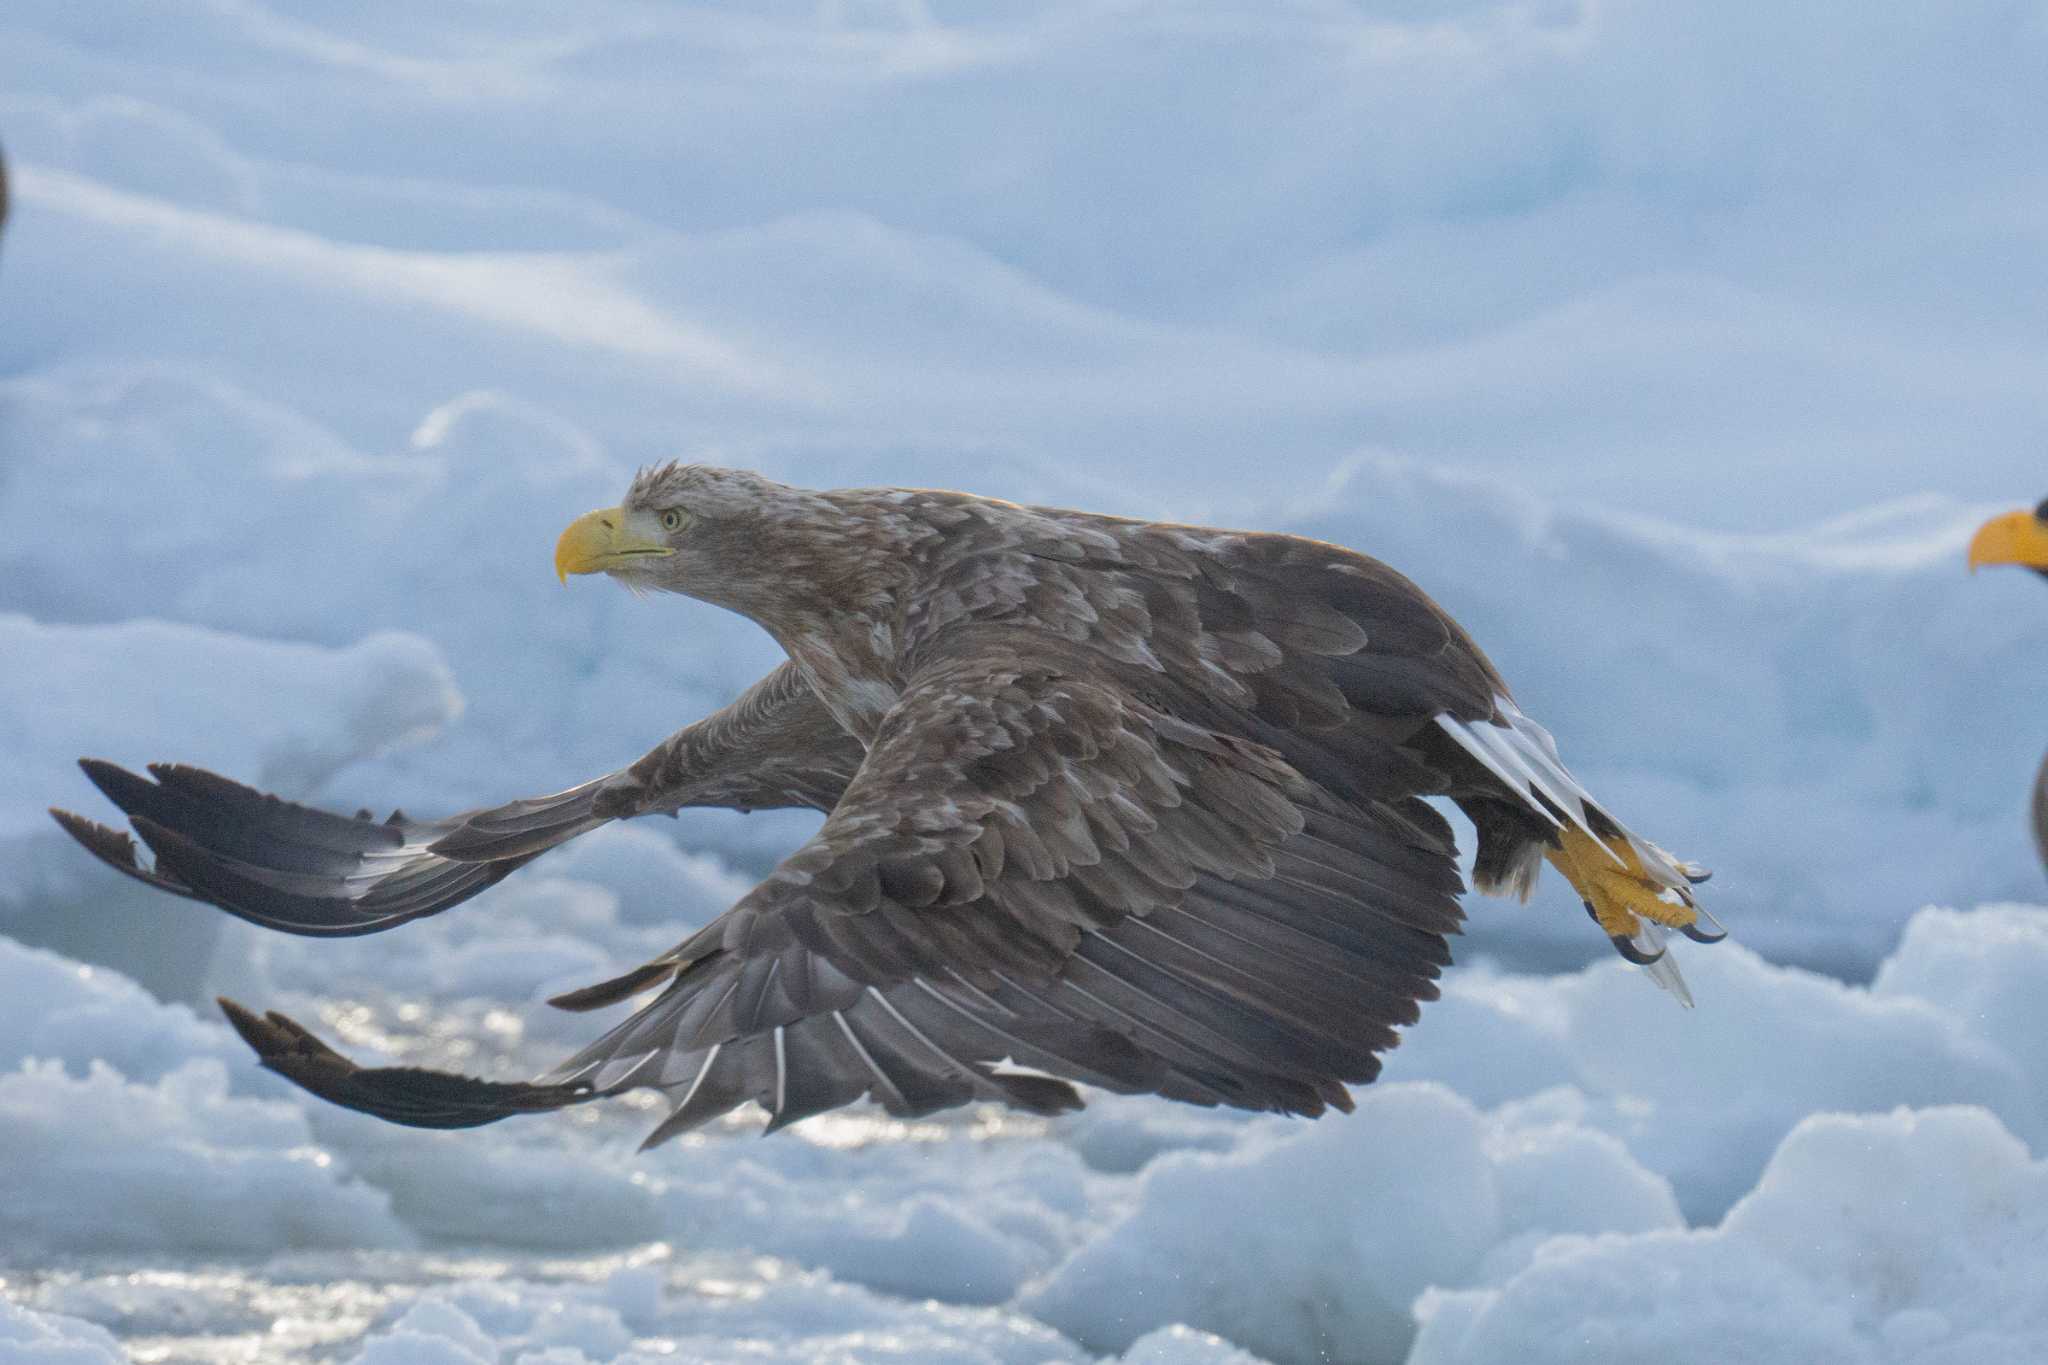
(1606, 1133)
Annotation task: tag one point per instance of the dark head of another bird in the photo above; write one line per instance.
(2017, 537)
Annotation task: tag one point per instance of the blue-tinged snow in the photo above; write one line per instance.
(1526, 1130)
(1912, 1236)
(1676, 348)
(31, 1338)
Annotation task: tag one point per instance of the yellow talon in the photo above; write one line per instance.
(1618, 891)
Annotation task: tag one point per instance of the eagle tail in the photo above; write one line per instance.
(1634, 890)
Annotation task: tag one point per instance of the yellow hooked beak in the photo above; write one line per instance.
(598, 542)
(2015, 538)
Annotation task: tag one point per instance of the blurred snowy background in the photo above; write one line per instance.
(1675, 347)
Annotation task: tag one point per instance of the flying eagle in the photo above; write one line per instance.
(1111, 801)
(2020, 538)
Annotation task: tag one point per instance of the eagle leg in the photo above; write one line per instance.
(1619, 892)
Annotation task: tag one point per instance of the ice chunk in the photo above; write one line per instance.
(31, 1338)
(282, 716)
(1911, 1237)
(1703, 1098)
(1312, 1242)
(97, 1163)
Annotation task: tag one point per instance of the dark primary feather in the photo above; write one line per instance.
(410, 1095)
(306, 871)
(288, 866)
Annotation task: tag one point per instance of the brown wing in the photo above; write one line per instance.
(1327, 655)
(1146, 818)
(1036, 867)
(307, 871)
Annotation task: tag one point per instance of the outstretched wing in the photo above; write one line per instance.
(1039, 874)
(307, 871)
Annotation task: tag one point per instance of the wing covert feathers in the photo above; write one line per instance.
(1035, 869)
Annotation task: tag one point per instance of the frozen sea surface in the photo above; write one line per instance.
(1675, 348)
(1800, 1168)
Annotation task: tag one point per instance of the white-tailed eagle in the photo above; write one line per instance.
(1106, 801)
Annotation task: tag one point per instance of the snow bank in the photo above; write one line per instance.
(525, 1188)
(1180, 1345)
(714, 1311)
(1908, 1237)
(1591, 1078)
(945, 1215)
(1590, 1114)
(1311, 1242)
(282, 715)
(31, 1338)
(118, 1130)
(447, 538)
(1702, 1097)
(708, 1311)
(1987, 967)
(59, 1010)
(1569, 240)
(97, 1163)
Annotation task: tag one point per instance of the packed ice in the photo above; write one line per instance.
(1675, 349)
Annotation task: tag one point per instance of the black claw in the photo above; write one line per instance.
(1627, 948)
(1622, 944)
(1699, 935)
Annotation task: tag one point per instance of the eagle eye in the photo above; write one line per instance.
(672, 519)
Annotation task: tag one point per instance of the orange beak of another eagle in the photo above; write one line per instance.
(2014, 538)
(604, 540)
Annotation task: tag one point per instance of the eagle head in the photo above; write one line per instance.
(664, 530)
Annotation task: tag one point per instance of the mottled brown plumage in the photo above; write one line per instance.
(1109, 801)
